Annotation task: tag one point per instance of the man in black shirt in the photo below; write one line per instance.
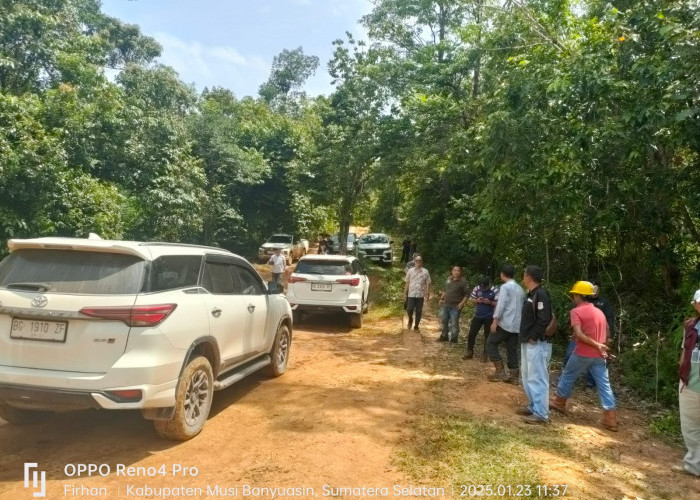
(405, 249)
(535, 350)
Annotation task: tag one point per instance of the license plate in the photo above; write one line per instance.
(321, 287)
(32, 329)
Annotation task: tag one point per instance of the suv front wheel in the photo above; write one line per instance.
(192, 402)
(280, 352)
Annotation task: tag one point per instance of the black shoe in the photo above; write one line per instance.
(534, 420)
(410, 324)
(442, 339)
(415, 328)
(523, 411)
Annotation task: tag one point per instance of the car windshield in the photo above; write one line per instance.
(280, 238)
(72, 271)
(374, 238)
(327, 267)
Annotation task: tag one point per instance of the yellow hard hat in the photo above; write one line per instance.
(583, 288)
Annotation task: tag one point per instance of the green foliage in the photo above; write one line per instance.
(553, 133)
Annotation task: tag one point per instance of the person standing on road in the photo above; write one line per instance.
(279, 264)
(416, 290)
(604, 305)
(535, 348)
(484, 297)
(413, 248)
(405, 249)
(505, 327)
(590, 334)
(689, 392)
(452, 301)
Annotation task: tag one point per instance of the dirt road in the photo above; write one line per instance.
(334, 419)
(343, 416)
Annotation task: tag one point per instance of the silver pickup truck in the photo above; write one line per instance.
(292, 247)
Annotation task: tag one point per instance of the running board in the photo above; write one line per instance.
(242, 373)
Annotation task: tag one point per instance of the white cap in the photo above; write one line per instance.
(696, 297)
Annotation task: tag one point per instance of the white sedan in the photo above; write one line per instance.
(329, 283)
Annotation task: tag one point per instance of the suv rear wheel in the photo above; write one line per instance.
(192, 402)
(356, 320)
(20, 416)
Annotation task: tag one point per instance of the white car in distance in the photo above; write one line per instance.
(329, 284)
(375, 247)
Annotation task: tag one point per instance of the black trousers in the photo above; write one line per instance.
(474, 327)
(414, 303)
(404, 255)
(512, 342)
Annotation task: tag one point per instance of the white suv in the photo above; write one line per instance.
(90, 323)
(329, 283)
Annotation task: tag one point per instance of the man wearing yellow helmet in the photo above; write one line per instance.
(590, 333)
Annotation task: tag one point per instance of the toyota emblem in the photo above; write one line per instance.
(40, 301)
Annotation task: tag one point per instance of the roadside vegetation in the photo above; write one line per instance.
(563, 134)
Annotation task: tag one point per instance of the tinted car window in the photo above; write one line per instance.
(331, 267)
(250, 285)
(280, 238)
(218, 278)
(174, 271)
(73, 271)
(374, 238)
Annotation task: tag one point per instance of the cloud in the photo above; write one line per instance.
(217, 65)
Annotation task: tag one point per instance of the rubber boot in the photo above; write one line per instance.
(498, 375)
(609, 421)
(484, 357)
(558, 403)
(469, 354)
(514, 376)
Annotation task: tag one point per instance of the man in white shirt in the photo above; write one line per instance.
(416, 290)
(279, 264)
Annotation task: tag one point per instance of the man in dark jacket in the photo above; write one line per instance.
(535, 349)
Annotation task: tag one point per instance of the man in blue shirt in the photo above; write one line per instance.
(484, 296)
(505, 328)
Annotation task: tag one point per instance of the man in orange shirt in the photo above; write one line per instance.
(590, 354)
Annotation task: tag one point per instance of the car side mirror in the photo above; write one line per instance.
(273, 287)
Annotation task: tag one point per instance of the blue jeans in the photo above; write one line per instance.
(534, 371)
(450, 323)
(578, 365)
(569, 351)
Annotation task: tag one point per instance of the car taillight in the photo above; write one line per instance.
(351, 281)
(125, 395)
(296, 279)
(134, 315)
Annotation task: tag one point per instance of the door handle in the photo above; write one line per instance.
(251, 308)
(216, 312)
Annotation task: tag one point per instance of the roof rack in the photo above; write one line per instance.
(189, 245)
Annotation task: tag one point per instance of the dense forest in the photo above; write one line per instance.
(551, 132)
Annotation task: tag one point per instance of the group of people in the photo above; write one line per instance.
(525, 322)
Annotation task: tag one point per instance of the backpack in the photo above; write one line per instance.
(551, 328)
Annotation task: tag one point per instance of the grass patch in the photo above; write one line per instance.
(386, 291)
(666, 425)
(463, 450)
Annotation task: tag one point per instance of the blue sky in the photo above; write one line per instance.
(231, 43)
